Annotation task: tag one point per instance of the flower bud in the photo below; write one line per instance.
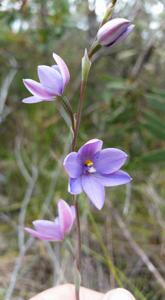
(114, 31)
(86, 64)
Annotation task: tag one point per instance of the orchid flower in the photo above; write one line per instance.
(57, 229)
(114, 31)
(52, 82)
(91, 169)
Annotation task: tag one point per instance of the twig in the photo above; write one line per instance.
(139, 251)
(142, 59)
(127, 199)
(19, 160)
(4, 91)
(22, 246)
(16, 269)
(25, 202)
(55, 261)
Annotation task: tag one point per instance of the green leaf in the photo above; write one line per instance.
(152, 117)
(159, 92)
(156, 101)
(154, 124)
(118, 85)
(153, 156)
(160, 134)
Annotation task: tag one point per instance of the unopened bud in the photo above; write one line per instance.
(114, 31)
(86, 64)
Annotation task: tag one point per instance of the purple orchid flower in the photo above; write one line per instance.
(57, 229)
(52, 82)
(91, 169)
(114, 31)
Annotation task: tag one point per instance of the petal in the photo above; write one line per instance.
(109, 160)
(48, 228)
(117, 178)
(75, 186)
(40, 235)
(55, 67)
(111, 31)
(34, 233)
(65, 216)
(37, 89)
(88, 150)
(94, 190)
(72, 165)
(63, 69)
(50, 79)
(124, 35)
(32, 99)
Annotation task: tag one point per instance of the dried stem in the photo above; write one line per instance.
(139, 251)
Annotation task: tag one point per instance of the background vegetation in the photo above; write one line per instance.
(124, 106)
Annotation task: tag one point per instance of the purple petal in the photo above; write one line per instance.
(117, 178)
(124, 35)
(72, 165)
(32, 99)
(48, 228)
(65, 216)
(40, 235)
(109, 160)
(50, 79)
(94, 190)
(75, 186)
(63, 68)
(112, 30)
(88, 150)
(55, 67)
(37, 89)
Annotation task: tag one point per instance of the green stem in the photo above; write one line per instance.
(95, 47)
(78, 251)
(79, 236)
(79, 113)
(66, 105)
(108, 12)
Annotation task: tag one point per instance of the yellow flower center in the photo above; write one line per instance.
(88, 163)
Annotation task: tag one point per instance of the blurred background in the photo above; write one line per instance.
(124, 244)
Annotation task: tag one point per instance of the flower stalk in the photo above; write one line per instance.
(74, 146)
(86, 64)
(78, 254)
(108, 12)
(78, 115)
